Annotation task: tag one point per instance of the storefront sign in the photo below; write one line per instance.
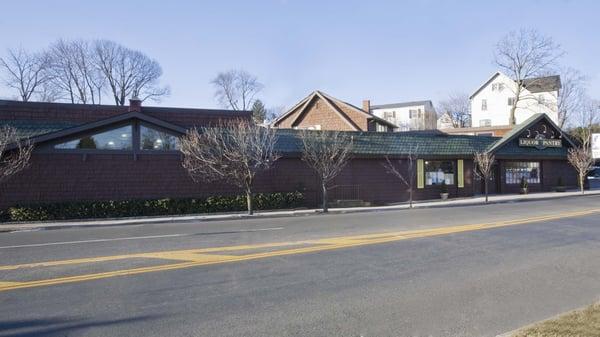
(596, 145)
(540, 143)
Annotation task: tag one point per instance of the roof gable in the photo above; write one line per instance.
(547, 128)
(339, 107)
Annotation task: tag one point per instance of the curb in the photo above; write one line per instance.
(268, 215)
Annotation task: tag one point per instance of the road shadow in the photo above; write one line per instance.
(61, 326)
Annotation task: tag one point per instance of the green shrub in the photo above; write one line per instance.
(125, 208)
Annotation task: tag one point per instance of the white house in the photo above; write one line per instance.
(491, 103)
(419, 115)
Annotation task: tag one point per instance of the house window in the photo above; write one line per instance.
(380, 127)
(485, 122)
(389, 114)
(437, 171)
(514, 171)
(497, 86)
(484, 104)
(541, 99)
(114, 139)
(511, 101)
(413, 113)
(153, 139)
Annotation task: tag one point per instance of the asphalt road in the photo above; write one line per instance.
(288, 277)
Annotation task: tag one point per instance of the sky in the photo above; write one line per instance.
(385, 51)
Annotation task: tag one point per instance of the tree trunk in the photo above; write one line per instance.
(410, 198)
(512, 119)
(581, 180)
(486, 190)
(324, 190)
(249, 201)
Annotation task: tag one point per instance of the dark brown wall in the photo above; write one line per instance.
(550, 171)
(55, 177)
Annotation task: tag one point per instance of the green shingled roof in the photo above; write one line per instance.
(371, 143)
(397, 143)
(30, 128)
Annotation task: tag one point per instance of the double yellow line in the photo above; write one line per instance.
(206, 256)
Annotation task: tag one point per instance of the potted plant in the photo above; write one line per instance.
(444, 191)
(560, 187)
(524, 185)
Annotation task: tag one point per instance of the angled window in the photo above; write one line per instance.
(113, 139)
(157, 140)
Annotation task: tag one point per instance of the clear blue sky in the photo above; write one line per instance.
(387, 51)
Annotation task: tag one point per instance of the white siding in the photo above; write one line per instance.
(425, 119)
(498, 109)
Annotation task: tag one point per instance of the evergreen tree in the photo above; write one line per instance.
(259, 112)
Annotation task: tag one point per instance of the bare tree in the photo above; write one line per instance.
(74, 72)
(580, 156)
(326, 152)
(484, 170)
(458, 109)
(24, 72)
(14, 152)
(407, 177)
(233, 152)
(236, 89)
(571, 96)
(581, 159)
(129, 73)
(525, 55)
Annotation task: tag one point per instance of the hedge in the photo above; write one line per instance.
(127, 208)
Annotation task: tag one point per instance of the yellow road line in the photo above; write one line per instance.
(195, 257)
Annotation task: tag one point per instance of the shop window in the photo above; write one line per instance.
(514, 171)
(153, 139)
(114, 139)
(438, 171)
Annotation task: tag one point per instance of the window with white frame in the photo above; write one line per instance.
(485, 122)
(528, 170)
(438, 171)
(484, 104)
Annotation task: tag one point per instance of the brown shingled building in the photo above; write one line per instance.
(319, 111)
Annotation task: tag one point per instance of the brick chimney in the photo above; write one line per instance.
(135, 104)
(366, 105)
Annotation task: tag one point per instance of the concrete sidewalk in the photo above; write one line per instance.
(479, 200)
